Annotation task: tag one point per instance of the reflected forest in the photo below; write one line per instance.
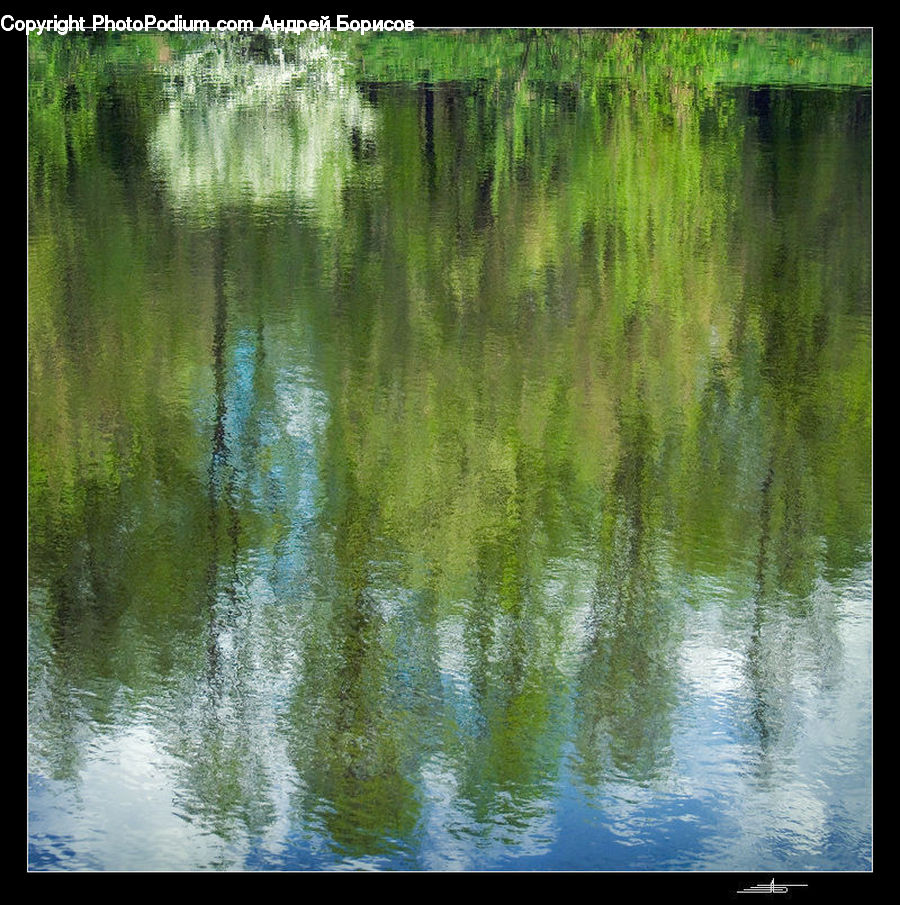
(450, 450)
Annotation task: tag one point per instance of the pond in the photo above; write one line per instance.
(450, 451)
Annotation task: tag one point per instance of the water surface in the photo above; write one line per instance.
(450, 451)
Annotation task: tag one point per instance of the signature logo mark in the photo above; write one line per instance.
(771, 888)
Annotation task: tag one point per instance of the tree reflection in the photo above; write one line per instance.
(336, 386)
(353, 735)
(626, 688)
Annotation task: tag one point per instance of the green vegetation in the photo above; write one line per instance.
(509, 328)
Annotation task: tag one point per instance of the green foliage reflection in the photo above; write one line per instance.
(392, 436)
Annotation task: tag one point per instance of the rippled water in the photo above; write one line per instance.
(450, 451)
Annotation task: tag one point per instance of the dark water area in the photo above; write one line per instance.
(450, 455)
